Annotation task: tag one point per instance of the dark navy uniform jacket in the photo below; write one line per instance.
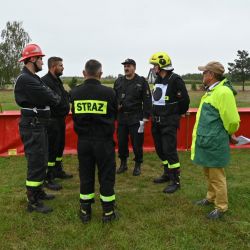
(33, 95)
(55, 83)
(134, 99)
(94, 109)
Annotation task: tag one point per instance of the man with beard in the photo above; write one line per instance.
(35, 99)
(170, 101)
(56, 127)
(134, 100)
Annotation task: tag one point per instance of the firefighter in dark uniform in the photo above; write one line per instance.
(35, 99)
(56, 127)
(134, 106)
(94, 109)
(170, 101)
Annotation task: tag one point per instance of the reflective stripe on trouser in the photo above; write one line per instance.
(107, 198)
(217, 187)
(51, 164)
(34, 183)
(86, 197)
(137, 139)
(175, 165)
(35, 140)
(101, 153)
(165, 141)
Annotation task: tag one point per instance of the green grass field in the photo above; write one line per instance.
(243, 99)
(149, 219)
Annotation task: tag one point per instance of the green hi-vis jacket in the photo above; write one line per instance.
(216, 119)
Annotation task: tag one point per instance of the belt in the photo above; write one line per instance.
(35, 112)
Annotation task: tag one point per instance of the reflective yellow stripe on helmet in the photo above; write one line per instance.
(90, 107)
(107, 198)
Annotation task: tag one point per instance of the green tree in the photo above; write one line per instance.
(73, 82)
(14, 38)
(240, 69)
(193, 86)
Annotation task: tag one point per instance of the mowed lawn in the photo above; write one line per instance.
(7, 101)
(149, 219)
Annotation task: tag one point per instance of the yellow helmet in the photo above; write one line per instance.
(162, 59)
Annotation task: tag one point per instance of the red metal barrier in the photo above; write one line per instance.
(10, 142)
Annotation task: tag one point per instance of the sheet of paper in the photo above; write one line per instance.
(242, 140)
(141, 128)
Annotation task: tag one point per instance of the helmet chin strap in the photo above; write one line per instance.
(162, 73)
(35, 65)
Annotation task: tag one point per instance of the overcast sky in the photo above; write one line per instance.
(192, 32)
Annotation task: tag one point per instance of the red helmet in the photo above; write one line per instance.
(31, 50)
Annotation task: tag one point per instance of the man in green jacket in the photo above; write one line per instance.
(217, 120)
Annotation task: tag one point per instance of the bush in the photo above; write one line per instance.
(73, 82)
(193, 86)
(107, 81)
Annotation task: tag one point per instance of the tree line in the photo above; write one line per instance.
(14, 38)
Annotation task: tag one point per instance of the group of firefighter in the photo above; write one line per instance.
(45, 104)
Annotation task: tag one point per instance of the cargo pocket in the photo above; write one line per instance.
(204, 141)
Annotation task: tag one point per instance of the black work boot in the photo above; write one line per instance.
(123, 167)
(164, 177)
(34, 204)
(174, 184)
(85, 212)
(137, 169)
(41, 195)
(60, 173)
(50, 182)
(109, 213)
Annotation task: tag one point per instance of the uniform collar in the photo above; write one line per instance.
(164, 80)
(26, 70)
(54, 78)
(212, 86)
(92, 81)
